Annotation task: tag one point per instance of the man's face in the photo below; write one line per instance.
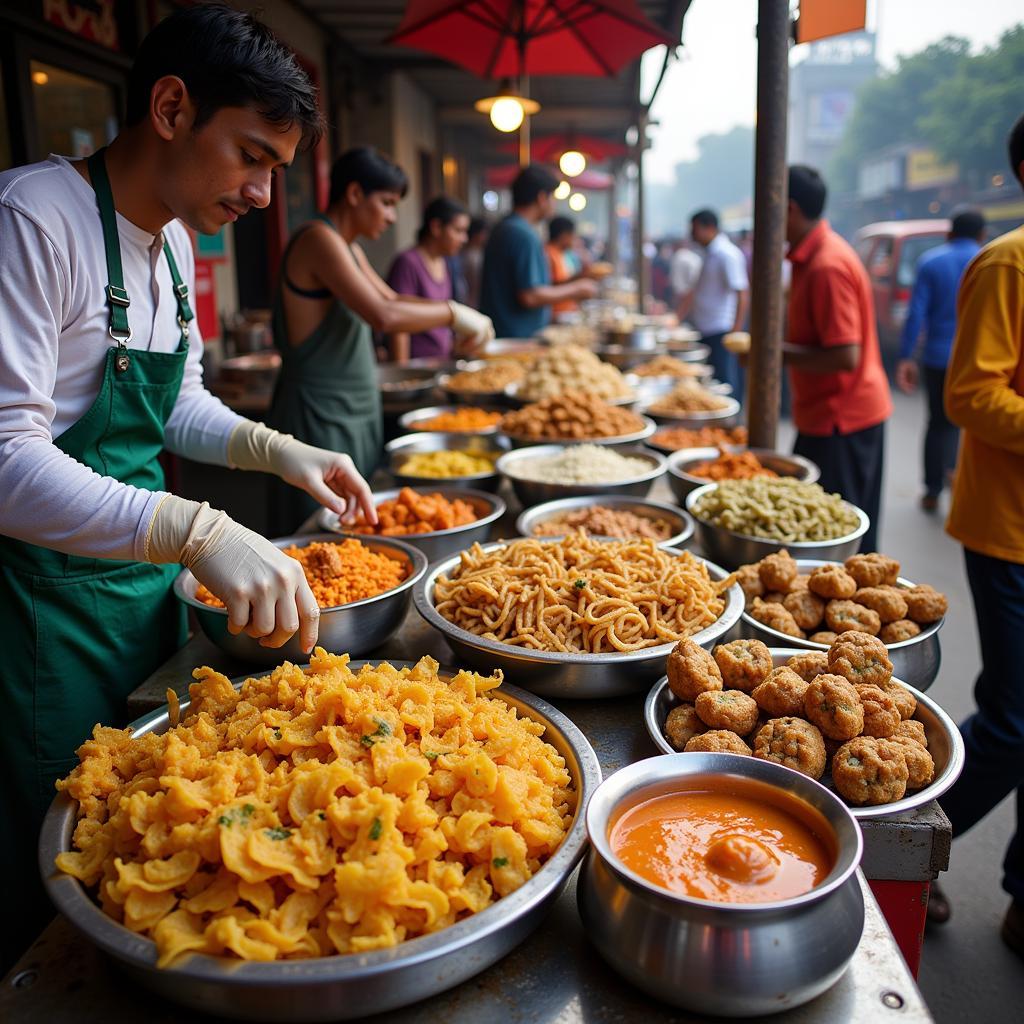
(546, 204)
(375, 212)
(212, 176)
(701, 233)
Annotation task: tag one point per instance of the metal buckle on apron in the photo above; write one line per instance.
(122, 360)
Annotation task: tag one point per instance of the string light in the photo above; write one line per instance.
(572, 163)
(563, 190)
(577, 202)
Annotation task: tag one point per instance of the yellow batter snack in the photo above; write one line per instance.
(832, 582)
(777, 570)
(782, 693)
(692, 671)
(873, 569)
(833, 705)
(718, 741)
(897, 632)
(868, 772)
(925, 604)
(842, 616)
(446, 465)
(727, 709)
(743, 663)
(881, 715)
(889, 602)
(682, 724)
(794, 743)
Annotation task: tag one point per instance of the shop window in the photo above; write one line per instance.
(75, 114)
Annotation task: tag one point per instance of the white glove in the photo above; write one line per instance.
(329, 477)
(265, 591)
(468, 323)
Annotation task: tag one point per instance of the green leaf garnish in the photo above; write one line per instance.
(375, 829)
(580, 584)
(500, 862)
(431, 755)
(278, 833)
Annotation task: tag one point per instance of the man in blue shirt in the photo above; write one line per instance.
(933, 308)
(515, 287)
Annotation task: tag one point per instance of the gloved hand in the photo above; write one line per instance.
(468, 323)
(265, 591)
(329, 477)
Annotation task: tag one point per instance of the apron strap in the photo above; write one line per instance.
(117, 297)
(185, 314)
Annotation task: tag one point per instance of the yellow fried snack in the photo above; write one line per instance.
(848, 615)
(925, 604)
(682, 724)
(777, 571)
(692, 671)
(782, 694)
(718, 741)
(889, 602)
(913, 730)
(749, 580)
(727, 709)
(833, 705)
(881, 715)
(806, 607)
(898, 631)
(832, 582)
(905, 701)
(867, 771)
(920, 764)
(794, 743)
(860, 658)
(809, 664)
(873, 569)
(314, 813)
(775, 616)
(744, 664)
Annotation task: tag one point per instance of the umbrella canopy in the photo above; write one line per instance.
(548, 148)
(589, 181)
(509, 38)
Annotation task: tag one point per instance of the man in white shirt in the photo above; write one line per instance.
(718, 303)
(684, 271)
(99, 371)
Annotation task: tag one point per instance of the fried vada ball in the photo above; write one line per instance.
(782, 694)
(825, 636)
(744, 664)
(867, 771)
(846, 615)
(718, 741)
(905, 701)
(898, 631)
(832, 704)
(682, 725)
(774, 597)
(727, 709)
(911, 729)
(692, 671)
(887, 601)
(794, 743)
(778, 570)
(881, 715)
(831, 582)
(750, 583)
(920, 764)
(873, 569)
(775, 616)
(860, 658)
(925, 604)
(806, 608)
(809, 664)
(800, 583)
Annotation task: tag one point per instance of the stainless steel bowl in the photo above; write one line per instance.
(513, 348)
(496, 396)
(354, 628)
(726, 959)
(399, 450)
(727, 416)
(688, 350)
(944, 741)
(679, 522)
(782, 463)
(531, 492)
(736, 549)
(489, 508)
(618, 441)
(413, 421)
(555, 674)
(625, 357)
(408, 384)
(347, 987)
(916, 660)
(666, 382)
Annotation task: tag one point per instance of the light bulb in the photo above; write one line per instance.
(506, 114)
(572, 163)
(577, 202)
(563, 190)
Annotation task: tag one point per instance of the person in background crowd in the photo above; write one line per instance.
(329, 301)
(717, 305)
(561, 258)
(516, 290)
(661, 271)
(684, 272)
(840, 393)
(985, 397)
(422, 272)
(471, 259)
(933, 308)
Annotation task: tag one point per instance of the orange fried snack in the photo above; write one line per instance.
(732, 466)
(337, 573)
(412, 512)
(469, 417)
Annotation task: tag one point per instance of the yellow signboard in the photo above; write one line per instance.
(925, 171)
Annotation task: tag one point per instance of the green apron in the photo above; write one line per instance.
(79, 634)
(326, 395)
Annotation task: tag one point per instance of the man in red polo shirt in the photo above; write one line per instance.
(840, 392)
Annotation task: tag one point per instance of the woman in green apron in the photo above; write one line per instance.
(89, 541)
(329, 303)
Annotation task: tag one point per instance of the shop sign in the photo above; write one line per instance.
(924, 170)
(91, 19)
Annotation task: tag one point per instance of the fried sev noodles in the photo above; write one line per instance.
(580, 595)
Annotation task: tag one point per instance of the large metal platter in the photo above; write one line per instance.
(343, 987)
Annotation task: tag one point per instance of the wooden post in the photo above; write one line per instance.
(764, 367)
(612, 248)
(642, 276)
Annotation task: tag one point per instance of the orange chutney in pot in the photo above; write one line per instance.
(728, 840)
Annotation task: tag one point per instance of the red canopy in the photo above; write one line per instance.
(508, 38)
(588, 181)
(548, 148)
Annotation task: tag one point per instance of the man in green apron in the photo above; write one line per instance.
(99, 371)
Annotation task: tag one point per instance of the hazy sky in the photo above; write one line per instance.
(713, 86)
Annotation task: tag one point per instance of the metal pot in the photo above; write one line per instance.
(782, 463)
(726, 959)
(399, 450)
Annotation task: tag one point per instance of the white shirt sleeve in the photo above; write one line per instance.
(736, 270)
(49, 498)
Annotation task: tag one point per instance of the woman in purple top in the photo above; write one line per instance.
(422, 271)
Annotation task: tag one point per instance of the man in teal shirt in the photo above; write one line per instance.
(515, 289)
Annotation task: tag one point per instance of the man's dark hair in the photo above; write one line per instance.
(368, 168)
(530, 183)
(1015, 148)
(443, 208)
(966, 222)
(226, 58)
(807, 189)
(705, 219)
(559, 226)
(478, 224)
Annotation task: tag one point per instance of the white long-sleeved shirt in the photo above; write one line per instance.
(53, 344)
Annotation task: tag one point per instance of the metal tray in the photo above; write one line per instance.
(349, 986)
(944, 741)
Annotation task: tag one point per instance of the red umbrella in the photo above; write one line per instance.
(548, 148)
(508, 38)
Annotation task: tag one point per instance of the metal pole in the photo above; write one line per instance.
(642, 275)
(764, 369)
(612, 249)
(524, 128)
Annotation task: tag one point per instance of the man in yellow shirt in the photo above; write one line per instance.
(985, 396)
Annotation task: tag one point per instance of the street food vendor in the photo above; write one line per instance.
(100, 371)
(330, 301)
